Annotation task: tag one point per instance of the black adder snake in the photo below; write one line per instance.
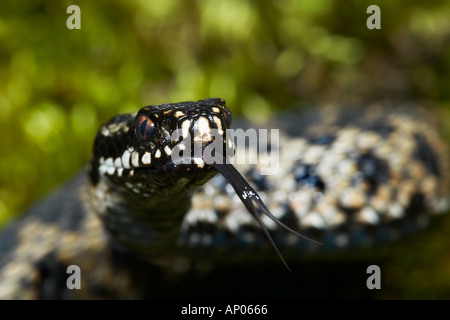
(346, 178)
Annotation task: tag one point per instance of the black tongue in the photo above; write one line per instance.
(252, 200)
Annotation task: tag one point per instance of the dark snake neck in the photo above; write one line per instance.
(146, 226)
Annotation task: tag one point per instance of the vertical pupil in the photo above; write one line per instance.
(142, 127)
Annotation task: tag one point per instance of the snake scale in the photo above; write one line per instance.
(135, 219)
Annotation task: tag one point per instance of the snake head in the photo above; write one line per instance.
(163, 152)
(158, 150)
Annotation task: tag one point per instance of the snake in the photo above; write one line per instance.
(163, 193)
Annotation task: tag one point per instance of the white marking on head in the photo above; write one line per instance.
(185, 126)
(203, 130)
(146, 158)
(135, 159)
(218, 124)
(178, 114)
(126, 159)
(118, 163)
(110, 170)
(102, 169)
(109, 162)
(104, 131)
(117, 128)
(215, 109)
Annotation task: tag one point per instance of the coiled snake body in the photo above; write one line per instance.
(136, 219)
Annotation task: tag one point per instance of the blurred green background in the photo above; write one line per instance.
(58, 85)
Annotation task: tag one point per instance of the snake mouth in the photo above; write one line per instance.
(172, 169)
(160, 170)
(165, 177)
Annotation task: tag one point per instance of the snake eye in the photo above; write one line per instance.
(227, 115)
(144, 127)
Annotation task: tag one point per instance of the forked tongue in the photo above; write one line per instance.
(252, 201)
